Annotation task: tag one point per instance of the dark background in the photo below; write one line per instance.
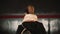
(18, 6)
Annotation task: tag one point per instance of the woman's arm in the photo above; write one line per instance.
(19, 30)
(41, 28)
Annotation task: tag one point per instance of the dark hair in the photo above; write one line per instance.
(27, 9)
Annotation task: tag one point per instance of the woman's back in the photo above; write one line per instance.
(34, 27)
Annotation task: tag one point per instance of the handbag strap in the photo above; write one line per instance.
(24, 30)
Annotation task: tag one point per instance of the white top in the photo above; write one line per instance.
(30, 17)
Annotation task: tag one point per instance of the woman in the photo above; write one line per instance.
(29, 15)
(30, 22)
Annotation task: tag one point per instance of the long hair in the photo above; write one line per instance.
(26, 10)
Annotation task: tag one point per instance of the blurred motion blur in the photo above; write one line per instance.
(9, 26)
